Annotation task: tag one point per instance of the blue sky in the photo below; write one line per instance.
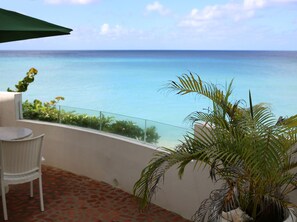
(163, 24)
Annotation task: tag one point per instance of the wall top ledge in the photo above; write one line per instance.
(91, 131)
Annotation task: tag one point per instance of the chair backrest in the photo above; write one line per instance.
(21, 156)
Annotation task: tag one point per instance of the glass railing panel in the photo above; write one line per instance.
(79, 117)
(123, 125)
(147, 131)
(168, 135)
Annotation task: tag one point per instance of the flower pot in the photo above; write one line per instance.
(292, 217)
(238, 215)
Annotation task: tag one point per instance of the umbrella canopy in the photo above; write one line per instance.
(15, 26)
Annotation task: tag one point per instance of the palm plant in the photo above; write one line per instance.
(247, 149)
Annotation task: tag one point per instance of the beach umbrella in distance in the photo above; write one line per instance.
(15, 26)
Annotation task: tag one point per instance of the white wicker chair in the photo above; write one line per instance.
(20, 162)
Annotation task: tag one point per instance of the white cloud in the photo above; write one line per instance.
(284, 1)
(106, 29)
(253, 4)
(113, 31)
(211, 14)
(157, 7)
(230, 26)
(81, 2)
(230, 11)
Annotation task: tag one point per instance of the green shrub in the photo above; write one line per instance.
(132, 130)
(151, 135)
(39, 111)
(84, 120)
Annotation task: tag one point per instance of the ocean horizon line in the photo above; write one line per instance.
(152, 50)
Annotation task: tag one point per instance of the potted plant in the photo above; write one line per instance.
(246, 148)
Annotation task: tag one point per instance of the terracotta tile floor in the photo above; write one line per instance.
(72, 198)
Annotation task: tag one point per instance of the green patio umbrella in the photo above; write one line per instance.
(15, 26)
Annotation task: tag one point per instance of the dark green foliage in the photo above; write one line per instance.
(132, 130)
(127, 128)
(22, 85)
(49, 113)
(151, 135)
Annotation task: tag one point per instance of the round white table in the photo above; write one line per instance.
(14, 133)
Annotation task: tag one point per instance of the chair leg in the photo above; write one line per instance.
(4, 202)
(41, 194)
(31, 188)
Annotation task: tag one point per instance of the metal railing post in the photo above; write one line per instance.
(59, 114)
(144, 138)
(100, 117)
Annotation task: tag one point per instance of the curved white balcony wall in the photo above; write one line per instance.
(113, 159)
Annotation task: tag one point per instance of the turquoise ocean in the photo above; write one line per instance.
(133, 83)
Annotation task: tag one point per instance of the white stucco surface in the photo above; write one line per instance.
(106, 157)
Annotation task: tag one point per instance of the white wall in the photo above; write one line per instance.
(109, 158)
(118, 161)
(10, 108)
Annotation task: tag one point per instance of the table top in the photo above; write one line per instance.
(14, 133)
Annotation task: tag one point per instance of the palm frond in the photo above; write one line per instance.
(190, 83)
(154, 173)
(291, 121)
(247, 148)
(251, 104)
